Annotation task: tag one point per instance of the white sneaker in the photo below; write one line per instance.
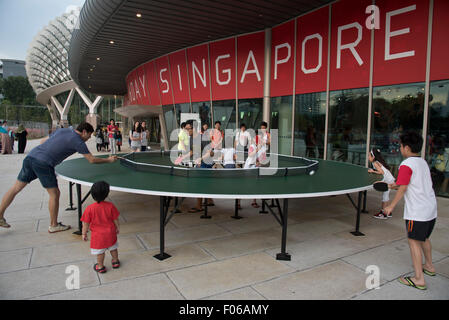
(60, 227)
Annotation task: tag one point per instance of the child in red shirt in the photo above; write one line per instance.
(102, 220)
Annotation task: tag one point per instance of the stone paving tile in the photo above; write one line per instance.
(216, 277)
(393, 259)
(315, 229)
(41, 281)
(14, 260)
(78, 251)
(143, 263)
(337, 280)
(246, 293)
(155, 287)
(437, 289)
(182, 236)
(13, 241)
(315, 252)
(442, 267)
(243, 243)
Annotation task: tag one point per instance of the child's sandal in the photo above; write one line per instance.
(102, 270)
(116, 264)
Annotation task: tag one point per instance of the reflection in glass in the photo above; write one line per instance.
(437, 153)
(251, 112)
(224, 111)
(310, 120)
(170, 122)
(281, 119)
(181, 108)
(396, 109)
(348, 116)
(203, 109)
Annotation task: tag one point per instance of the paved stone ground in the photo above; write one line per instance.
(218, 258)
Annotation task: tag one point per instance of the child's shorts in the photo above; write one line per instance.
(386, 196)
(101, 251)
(419, 230)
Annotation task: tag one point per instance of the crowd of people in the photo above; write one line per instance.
(209, 148)
(8, 136)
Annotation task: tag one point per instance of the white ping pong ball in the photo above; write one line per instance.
(311, 173)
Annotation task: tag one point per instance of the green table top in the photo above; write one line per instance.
(332, 178)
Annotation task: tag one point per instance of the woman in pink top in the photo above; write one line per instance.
(112, 129)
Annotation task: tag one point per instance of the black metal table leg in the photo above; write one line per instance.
(263, 210)
(236, 211)
(80, 209)
(364, 202)
(70, 208)
(357, 224)
(283, 255)
(164, 204)
(205, 216)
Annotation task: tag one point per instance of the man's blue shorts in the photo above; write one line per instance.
(35, 169)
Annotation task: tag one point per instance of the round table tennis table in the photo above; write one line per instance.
(333, 178)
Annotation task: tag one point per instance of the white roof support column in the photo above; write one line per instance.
(91, 105)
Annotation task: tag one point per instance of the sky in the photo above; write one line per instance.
(21, 20)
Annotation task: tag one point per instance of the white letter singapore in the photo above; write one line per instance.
(226, 71)
(276, 57)
(389, 34)
(320, 53)
(351, 45)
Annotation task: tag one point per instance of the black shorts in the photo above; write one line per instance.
(419, 230)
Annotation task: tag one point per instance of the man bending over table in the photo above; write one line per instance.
(40, 164)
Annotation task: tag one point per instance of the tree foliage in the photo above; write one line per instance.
(18, 91)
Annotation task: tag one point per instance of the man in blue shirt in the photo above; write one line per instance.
(40, 164)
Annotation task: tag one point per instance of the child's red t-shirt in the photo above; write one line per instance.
(100, 217)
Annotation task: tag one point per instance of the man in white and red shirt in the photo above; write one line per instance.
(420, 210)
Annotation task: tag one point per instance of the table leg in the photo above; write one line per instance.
(263, 210)
(236, 211)
(357, 233)
(205, 216)
(284, 214)
(80, 209)
(164, 204)
(70, 197)
(364, 202)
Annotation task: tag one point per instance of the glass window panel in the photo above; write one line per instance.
(348, 117)
(310, 121)
(181, 108)
(437, 153)
(281, 119)
(251, 112)
(396, 109)
(170, 122)
(203, 109)
(224, 111)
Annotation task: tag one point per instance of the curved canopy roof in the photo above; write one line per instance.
(112, 39)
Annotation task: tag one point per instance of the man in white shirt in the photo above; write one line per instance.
(414, 183)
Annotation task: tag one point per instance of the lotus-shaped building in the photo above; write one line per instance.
(48, 70)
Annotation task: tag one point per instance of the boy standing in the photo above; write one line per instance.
(420, 211)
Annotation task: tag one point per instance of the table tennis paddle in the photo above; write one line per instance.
(380, 186)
